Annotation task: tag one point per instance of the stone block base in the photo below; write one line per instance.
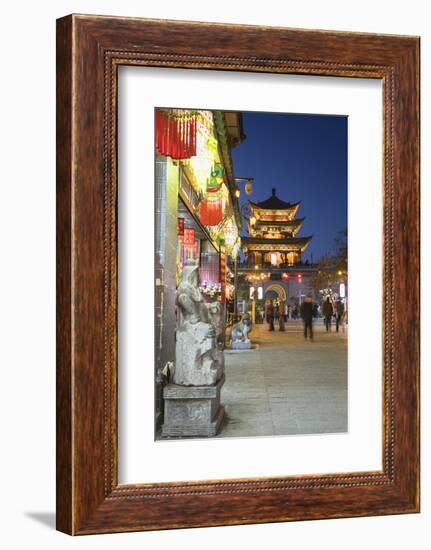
(192, 411)
(241, 345)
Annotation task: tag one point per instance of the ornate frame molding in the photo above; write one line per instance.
(90, 49)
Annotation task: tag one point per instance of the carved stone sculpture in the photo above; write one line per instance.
(241, 329)
(214, 316)
(192, 394)
(198, 361)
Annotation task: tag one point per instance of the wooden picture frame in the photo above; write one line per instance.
(89, 51)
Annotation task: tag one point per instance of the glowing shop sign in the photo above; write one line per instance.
(189, 236)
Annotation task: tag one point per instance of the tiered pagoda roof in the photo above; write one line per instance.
(294, 244)
(274, 203)
(274, 208)
(272, 225)
(275, 228)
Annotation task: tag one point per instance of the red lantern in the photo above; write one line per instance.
(211, 211)
(176, 134)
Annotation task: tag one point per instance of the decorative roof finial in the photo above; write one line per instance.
(273, 191)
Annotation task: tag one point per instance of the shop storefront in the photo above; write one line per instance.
(197, 213)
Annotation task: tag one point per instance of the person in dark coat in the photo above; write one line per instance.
(307, 316)
(281, 316)
(276, 312)
(270, 315)
(339, 313)
(327, 312)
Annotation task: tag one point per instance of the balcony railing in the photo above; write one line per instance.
(244, 267)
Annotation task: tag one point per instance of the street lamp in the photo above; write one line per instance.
(300, 289)
(248, 188)
(253, 295)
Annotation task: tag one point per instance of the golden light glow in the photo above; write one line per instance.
(237, 193)
(257, 277)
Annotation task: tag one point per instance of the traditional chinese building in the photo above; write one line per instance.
(273, 229)
(273, 251)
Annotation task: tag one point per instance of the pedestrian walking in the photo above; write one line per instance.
(281, 317)
(327, 311)
(339, 314)
(270, 315)
(307, 316)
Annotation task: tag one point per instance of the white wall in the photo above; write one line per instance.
(27, 117)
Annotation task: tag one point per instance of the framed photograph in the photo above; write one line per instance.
(237, 274)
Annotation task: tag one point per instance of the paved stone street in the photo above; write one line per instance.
(287, 385)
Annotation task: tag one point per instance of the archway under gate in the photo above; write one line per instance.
(274, 291)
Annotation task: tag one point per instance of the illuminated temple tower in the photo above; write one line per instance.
(273, 251)
(273, 229)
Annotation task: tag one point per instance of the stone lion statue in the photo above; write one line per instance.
(241, 329)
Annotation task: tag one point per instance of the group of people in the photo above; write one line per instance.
(273, 313)
(308, 311)
(328, 309)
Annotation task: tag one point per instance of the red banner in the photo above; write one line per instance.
(180, 226)
(189, 236)
(223, 275)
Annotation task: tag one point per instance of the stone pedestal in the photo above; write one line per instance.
(192, 411)
(240, 345)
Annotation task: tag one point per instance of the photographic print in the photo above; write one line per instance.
(251, 274)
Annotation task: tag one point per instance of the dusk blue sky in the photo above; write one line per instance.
(305, 158)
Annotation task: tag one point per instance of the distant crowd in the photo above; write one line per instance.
(330, 310)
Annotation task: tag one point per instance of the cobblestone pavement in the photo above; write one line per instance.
(287, 385)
